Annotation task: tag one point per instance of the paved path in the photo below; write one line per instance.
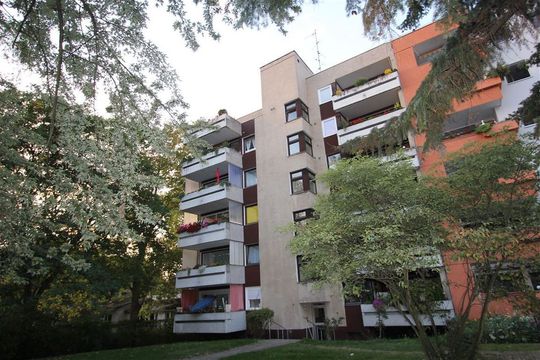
(259, 345)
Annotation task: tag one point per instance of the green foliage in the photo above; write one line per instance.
(360, 82)
(512, 329)
(258, 321)
(483, 128)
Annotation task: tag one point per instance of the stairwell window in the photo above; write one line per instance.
(325, 94)
(296, 109)
(298, 143)
(302, 181)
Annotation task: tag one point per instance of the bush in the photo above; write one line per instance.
(258, 321)
(511, 329)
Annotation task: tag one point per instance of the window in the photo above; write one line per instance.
(302, 277)
(252, 254)
(296, 109)
(302, 215)
(253, 297)
(333, 159)
(215, 257)
(329, 127)
(517, 71)
(250, 178)
(325, 94)
(293, 142)
(303, 180)
(298, 143)
(252, 214)
(249, 144)
(297, 182)
(290, 111)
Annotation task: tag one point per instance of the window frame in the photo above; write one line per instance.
(331, 166)
(247, 298)
(244, 151)
(214, 250)
(303, 141)
(251, 246)
(334, 129)
(245, 178)
(319, 91)
(310, 212)
(297, 107)
(307, 179)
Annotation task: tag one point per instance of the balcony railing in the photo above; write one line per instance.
(216, 323)
(370, 317)
(212, 236)
(210, 276)
(223, 128)
(363, 126)
(206, 167)
(211, 199)
(372, 88)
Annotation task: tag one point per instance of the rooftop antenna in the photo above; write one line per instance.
(317, 49)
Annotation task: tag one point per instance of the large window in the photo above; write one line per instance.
(249, 144)
(296, 109)
(298, 143)
(252, 214)
(301, 274)
(250, 177)
(252, 254)
(517, 71)
(302, 181)
(215, 257)
(253, 297)
(325, 94)
(329, 127)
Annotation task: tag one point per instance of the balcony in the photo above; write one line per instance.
(215, 235)
(211, 199)
(409, 154)
(210, 276)
(205, 167)
(223, 128)
(395, 318)
(216, 323)
(369, 96)
(362, 126)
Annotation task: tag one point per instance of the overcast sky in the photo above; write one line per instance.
(225, 73)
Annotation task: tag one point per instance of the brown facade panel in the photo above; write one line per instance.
(331, 145)
(248, 128)
(250, 195)
(353, 316)
(249, 160)
(251, 234)
(327, 110)
(253, 275)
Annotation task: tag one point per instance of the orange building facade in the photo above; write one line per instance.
(484, 105)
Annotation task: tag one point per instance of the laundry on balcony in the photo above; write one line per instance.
(203, 303)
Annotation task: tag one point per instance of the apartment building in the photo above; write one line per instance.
(260, 177)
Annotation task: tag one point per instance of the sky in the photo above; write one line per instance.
(225, 73)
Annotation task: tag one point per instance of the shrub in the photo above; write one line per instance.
(258, 321)
(511, 329)
(360, 82)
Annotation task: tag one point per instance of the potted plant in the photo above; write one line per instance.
(483, 128)
(338, 92)
(360, 82)
(388, 71)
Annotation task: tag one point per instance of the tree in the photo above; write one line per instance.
(379, 223)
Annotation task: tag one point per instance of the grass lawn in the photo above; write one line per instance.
(402, 349)
(172, 351)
